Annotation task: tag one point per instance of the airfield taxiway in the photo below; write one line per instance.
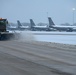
(37, 58)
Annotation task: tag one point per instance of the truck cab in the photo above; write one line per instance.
(3, 25)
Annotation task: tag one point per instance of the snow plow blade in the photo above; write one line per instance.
(9, 36)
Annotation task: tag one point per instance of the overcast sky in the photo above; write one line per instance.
(38, 10)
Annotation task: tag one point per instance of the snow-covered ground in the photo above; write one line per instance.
(57, 37)
(65, 39)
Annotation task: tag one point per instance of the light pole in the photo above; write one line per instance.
(73, 14)
(47, 14)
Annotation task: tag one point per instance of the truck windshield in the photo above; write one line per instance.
(2, 22)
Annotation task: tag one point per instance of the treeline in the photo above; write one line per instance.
(41, 24)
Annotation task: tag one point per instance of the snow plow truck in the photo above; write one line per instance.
(4, 34)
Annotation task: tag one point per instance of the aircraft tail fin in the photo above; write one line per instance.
(19, 24)
(32, 23)
(51, 23)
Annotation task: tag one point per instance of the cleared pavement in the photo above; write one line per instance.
(37, 58)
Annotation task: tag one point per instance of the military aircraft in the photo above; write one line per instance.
(60, 28)
(34, 27)
(21, 26)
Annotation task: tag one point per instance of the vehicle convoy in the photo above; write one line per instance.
(4, 34)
